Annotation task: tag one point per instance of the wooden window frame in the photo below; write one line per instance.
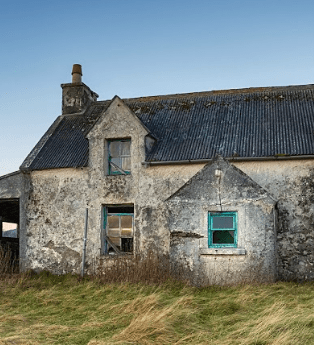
(105, 228)
(121, 172)
(211, 229)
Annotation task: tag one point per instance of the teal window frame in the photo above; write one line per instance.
(211, 229)
(110, 172)
(105, 229)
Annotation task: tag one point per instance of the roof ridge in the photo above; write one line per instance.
(220, 92)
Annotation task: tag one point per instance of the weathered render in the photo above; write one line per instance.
(220, 187)
(58, 199)
(165, 167)
(11, 186)
(291, 184)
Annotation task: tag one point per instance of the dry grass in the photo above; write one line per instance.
(129, 304)
(150, 322)
(8, 262)
(151, 269)
(47, 309)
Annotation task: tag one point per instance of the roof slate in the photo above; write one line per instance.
(260, 122)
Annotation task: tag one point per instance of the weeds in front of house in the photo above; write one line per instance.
(50, 309)
(151, 269)
(8, 261)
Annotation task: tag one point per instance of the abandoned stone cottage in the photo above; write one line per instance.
(220, 182)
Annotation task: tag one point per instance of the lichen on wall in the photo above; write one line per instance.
(254, 257)
(58, 199)
(291, 183)
(55, 220)
(171, 205)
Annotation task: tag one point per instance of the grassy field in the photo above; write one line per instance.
(47, 309)
(136, 302)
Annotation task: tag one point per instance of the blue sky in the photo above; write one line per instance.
(140, 48)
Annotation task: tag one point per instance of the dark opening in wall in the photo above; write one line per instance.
(9, 227)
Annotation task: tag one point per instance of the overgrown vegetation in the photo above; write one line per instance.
(133, 269)
(50, 309)
(8, 261)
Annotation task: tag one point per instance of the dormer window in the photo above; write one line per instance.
(119, 159)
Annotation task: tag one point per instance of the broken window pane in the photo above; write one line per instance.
(222, 222)
(120, 209)
(127, 244)
(119, 228)
(226, 237)
(222, 229)
(116, 241)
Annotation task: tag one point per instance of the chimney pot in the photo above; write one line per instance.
(76, 96)
(76, 74)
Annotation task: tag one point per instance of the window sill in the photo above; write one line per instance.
(222, 251)
(115, 255)
(119, 174)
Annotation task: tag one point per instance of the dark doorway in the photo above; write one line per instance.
(9, 226)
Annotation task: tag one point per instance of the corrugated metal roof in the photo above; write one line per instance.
(259, 122)
(65, 145)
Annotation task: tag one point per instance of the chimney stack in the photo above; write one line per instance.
(76, 74)
(76, 96)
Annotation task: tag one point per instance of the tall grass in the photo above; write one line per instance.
(134, 301)
(48, 309)
(150, 269)
(8, 261)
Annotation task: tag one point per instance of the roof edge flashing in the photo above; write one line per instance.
(82, 167)
(230, 159)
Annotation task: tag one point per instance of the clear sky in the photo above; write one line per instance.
(136, 48)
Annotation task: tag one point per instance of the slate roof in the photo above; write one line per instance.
(255, 122)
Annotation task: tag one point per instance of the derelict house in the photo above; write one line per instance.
(219, 182)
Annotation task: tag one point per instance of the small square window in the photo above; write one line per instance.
(119, 159)
(118, 228)
(222, 229)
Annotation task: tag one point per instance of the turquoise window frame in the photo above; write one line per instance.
(211, 229)
(106, 214)
(110, 172)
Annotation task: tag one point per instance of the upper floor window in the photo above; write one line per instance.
(222, 229)
(119, 159)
